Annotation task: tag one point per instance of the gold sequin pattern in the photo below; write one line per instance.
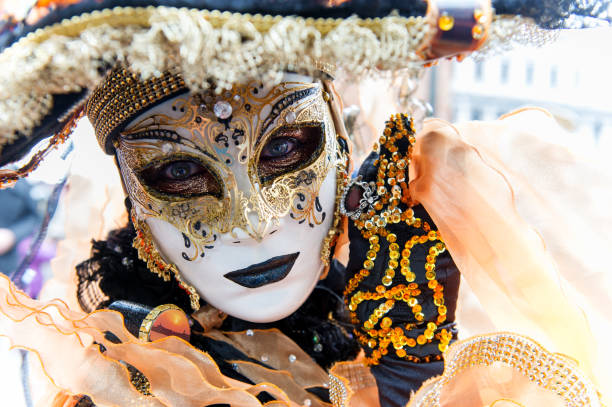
(378, 333)
(139, 380)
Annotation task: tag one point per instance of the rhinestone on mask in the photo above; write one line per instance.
(222, 109)
(290, 117)
(166, 148)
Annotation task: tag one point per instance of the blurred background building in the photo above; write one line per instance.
(570, 78)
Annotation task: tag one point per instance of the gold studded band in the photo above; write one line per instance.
(147, 323)
(122, 96)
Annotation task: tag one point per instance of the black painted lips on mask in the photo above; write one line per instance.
(267, 272)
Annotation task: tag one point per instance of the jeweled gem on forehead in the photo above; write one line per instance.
(290, 117)
(222, 109)
(166, 148)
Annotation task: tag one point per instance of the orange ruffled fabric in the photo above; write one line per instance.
(68, 342)
(528, 223)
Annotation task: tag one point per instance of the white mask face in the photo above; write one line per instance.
(238, 191)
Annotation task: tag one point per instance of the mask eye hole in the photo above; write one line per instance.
(279, 148)
(181, 176)
(290, 149)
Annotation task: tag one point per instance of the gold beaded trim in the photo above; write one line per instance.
(392, 191)
(122, 95)
(338, 393)
(147, 252)
(549, 371)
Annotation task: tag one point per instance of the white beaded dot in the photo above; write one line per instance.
(222, 109)
(292, 358)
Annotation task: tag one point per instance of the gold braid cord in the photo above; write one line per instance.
(379, 333)
(147, 252)
(343, 168)
(8, 178)
(336, 229)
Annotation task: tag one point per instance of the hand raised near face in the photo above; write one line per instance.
(402, 284)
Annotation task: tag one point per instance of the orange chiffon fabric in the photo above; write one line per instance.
(525, 219)
(68, 343)
(528, 223)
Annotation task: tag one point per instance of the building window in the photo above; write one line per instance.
(577, 78)
(597, 127)
(478, 72)
(505, 71)
(529, 73)
(554, 77)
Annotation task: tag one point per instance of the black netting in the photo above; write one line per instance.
(114, 272)
(559, 13)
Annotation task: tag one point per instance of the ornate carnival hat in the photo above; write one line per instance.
(55, 52)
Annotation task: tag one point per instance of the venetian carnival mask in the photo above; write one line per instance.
(238, 190)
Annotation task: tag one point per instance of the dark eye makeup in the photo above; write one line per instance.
(181, 176)
(289, 149)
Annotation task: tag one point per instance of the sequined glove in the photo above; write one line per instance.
(402, 284)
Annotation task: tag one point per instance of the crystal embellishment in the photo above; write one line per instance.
(290, 117)
(222, 109)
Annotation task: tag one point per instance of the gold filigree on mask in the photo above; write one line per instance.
(199, 128)
(147, 252)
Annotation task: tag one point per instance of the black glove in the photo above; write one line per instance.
(402, 284)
